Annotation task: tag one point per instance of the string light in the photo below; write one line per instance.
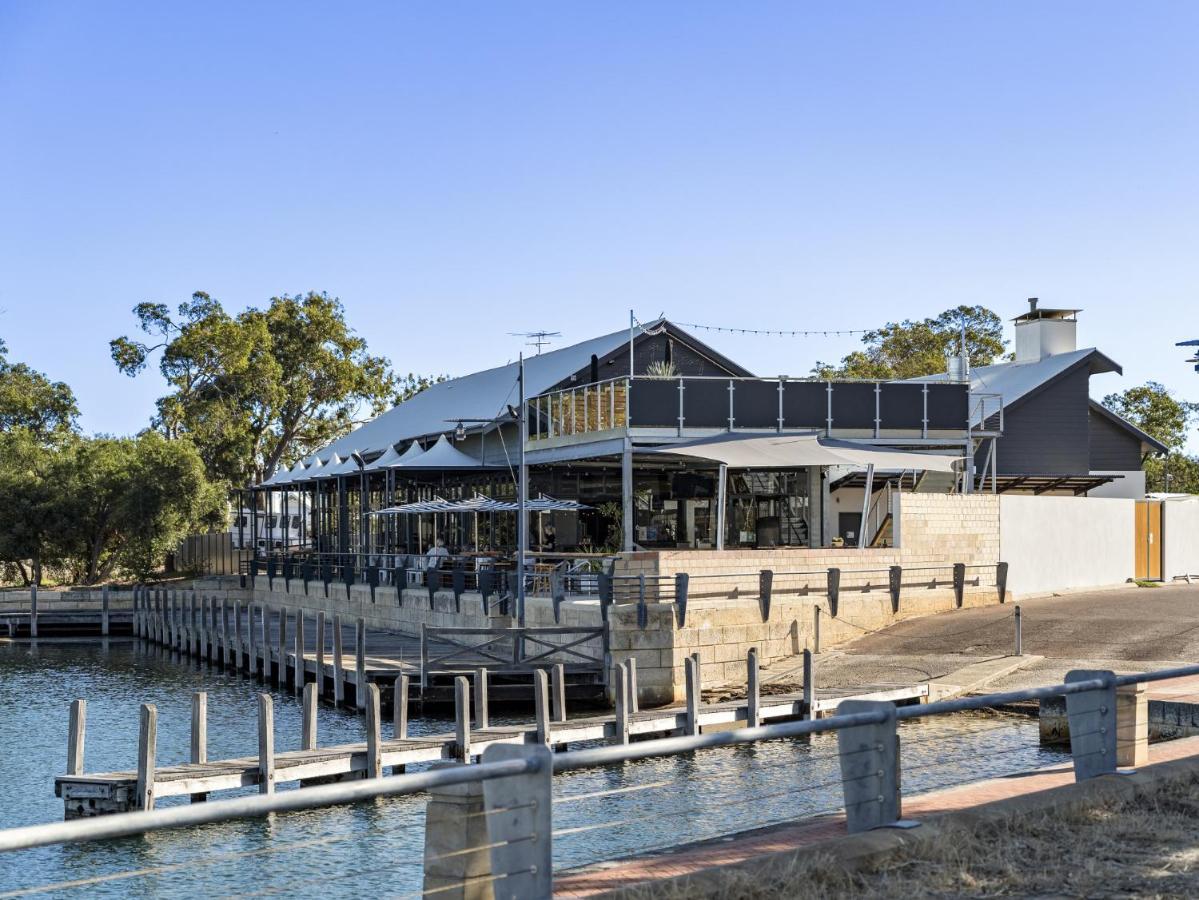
(777, 332)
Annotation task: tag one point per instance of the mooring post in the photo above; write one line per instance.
(462, 718)
(339, 675)
(308, 723)
(238, 640)
(226, 644)
(199, 747)
(265, 642)
(753, 715)
(299, 675)
(482, 719)
(360, 663)
(541, 705)
(374, 737)
(266, 744)
(869, 766)
(693, 689)
(281, 671)
(400, 709)
(195, 623)
(76, 733)
(620, 682)
(558, 691)
(809, 687)
(631, 675)
(1019, 632)
(205, 633)
(147, 742)
(251, 649)
(320, 651)
(104, 611)
(33, 610)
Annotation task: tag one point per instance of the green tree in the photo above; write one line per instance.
(264, 387)
(1182, 469)
(31, 401)
(1154, 410)
(31, 514)
(912, 349)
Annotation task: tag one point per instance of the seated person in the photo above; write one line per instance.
(436, 555)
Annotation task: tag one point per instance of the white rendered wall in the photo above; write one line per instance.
(1180, 536)
(1131, 486)
(1065, 543)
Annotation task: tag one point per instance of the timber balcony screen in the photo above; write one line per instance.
(708, 403)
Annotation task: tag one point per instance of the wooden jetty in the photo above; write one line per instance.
(107, 613)
(96, 794)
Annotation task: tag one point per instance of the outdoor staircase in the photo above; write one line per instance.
(936, 483)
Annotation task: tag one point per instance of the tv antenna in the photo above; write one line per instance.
(536, 339)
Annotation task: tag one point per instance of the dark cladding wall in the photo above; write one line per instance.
(1113, 449)
(1048, 433)
(653, 348)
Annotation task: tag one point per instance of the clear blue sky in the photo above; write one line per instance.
(457, 171)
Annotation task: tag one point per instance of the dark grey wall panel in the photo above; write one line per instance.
(654, 403)
(756, 404)
(805, 404)
(853, 405)
(1050, 432)
(948, 405)
(705, 402)
(1113, 449)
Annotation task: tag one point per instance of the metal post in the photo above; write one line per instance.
(869, 766)
(522, 497)
(863, 537)
(1019, 633)
(626, 496)
(1092, 719)
(520, 823)
(721, 503)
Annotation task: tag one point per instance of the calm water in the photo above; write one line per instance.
(376, 847)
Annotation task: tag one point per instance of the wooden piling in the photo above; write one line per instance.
(298, 674)
(374, 737)
(482, 718)
(264, 643)
(76, 734)
(281, 671)
(339, 681)
(809, 688)
(541, 705)
(693, 695)
(308, 729)
(104, 611)
(320, 651)
(360, 663)
(462, 718)
(237, 635)
(620, 680)
(558, 691)
(147, 743)
(753, 717)
(266, 744)
(631, 668)
(400, 709)
(199, 742)
(33, 610)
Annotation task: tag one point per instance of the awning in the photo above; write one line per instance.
(780, 451)
(479, 503)
(444, 455)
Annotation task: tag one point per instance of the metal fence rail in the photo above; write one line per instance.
(516, 779)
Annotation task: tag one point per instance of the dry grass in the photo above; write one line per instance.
(1146, 849)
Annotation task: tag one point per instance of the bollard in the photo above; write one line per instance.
(682, 583)
(76, 732)
(869, 766)
(541, 705)
(833, 590)
(308, 723)
(895, 584)
(266, 744)
(199, 735)
(753, 701)
(1019, 633)
(765, 590)
(147, 743)
(959, 584)
(462, 719)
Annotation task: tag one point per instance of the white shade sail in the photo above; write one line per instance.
(779, 451)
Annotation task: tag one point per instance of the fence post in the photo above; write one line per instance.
(33, 610)
(76, 734)
(400, 709)
(541, 705)
(869, 766)
(481, 716)
(147, 742)
(1092, 719)
(682, 582)
(199, 735)
(895, 583)
(558, 691)
(104, 611)
(959, 583)
(360, 663)
(1019, 632)
(765, 590)
(308, 724)
(374, 738)
(809, 686)
(520, 823)
(753, 717)
(621, 686)
(266, 744)
(462, 718)
(339, 675)
(298, 674)
(834, 591)
(693, 694)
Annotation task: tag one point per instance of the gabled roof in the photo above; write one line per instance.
(1121, 422)
(488, 394)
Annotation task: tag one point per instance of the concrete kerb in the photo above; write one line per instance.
(864, 852)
